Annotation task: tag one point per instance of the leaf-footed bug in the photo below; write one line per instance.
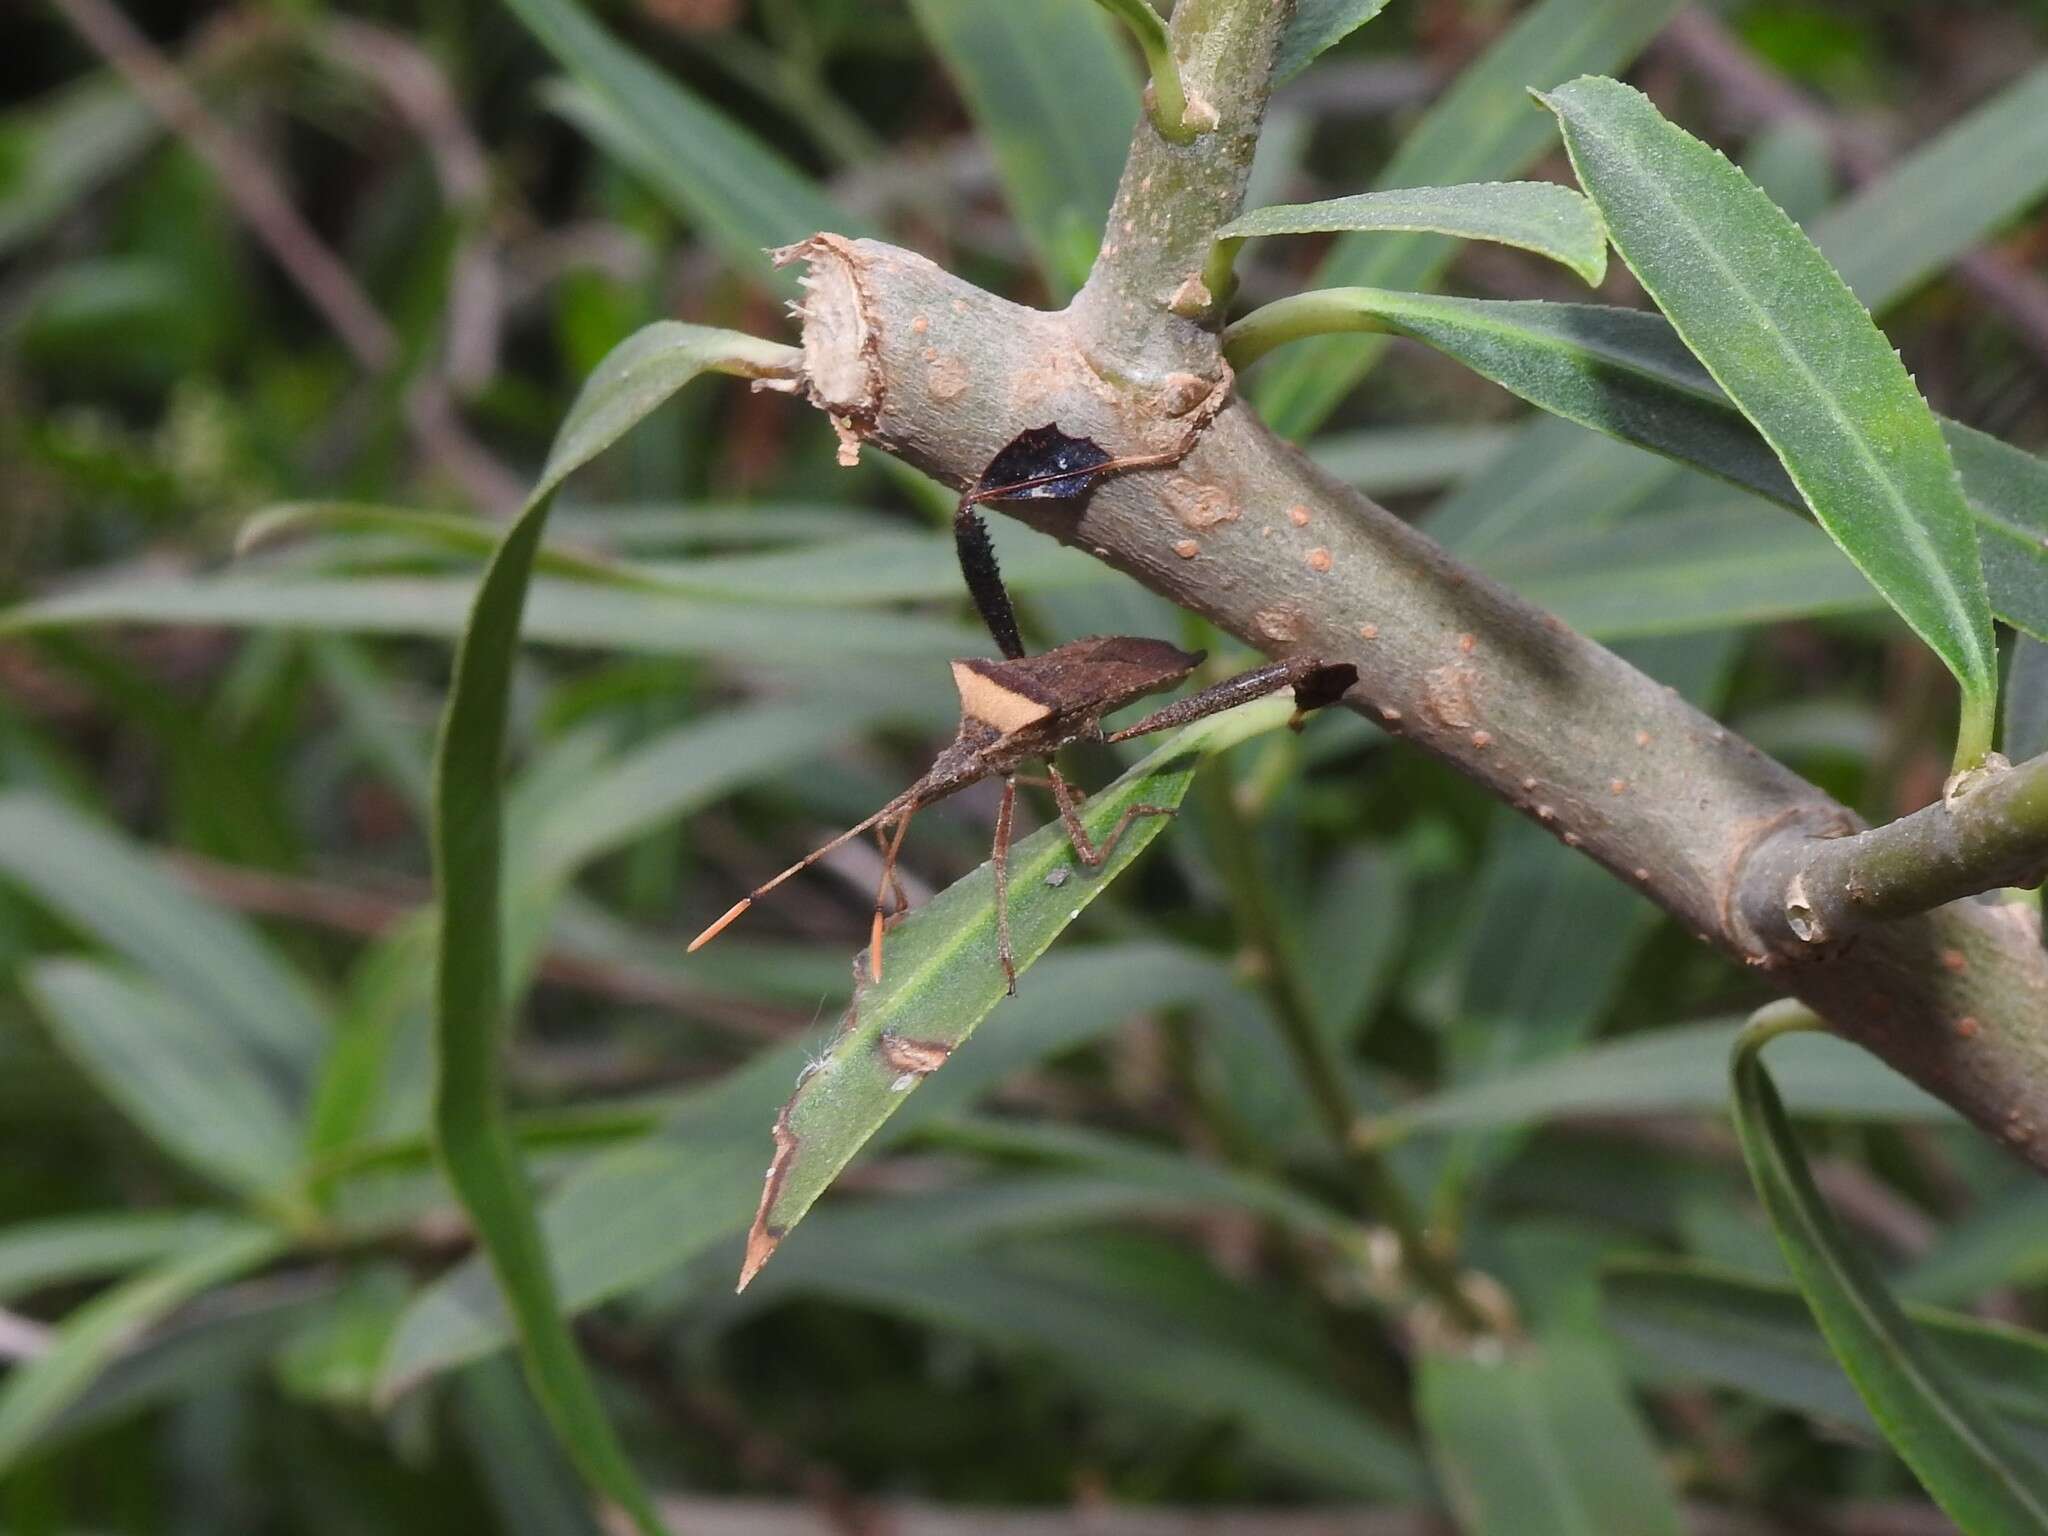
(1024, 708)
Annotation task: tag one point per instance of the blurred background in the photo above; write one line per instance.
(1103, 1269)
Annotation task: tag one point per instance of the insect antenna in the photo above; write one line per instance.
(900, 806)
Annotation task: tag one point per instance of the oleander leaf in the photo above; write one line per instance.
(1543, 1441)
(1480, 129)
(1757, 303)
(1318, 25)
(471, 1127)
(1627, 374)
(1537, 216)
(1962, 1455)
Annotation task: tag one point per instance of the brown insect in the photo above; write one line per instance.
(1020, 709)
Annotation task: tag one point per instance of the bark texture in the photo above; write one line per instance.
(1244, 530)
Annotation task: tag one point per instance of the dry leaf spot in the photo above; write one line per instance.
(914, 1058)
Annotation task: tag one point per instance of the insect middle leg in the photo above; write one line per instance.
(1088, 851)
(890, 883)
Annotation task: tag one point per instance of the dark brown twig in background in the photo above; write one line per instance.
(370, 914)
(314, 269)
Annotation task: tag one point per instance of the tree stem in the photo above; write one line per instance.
(1991, 832)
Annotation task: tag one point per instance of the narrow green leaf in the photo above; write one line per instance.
(1680, 1070)
(874, 565)
(1945, 198)
(384, 1008)
(1348, 965)
(58, 149)
(372, 719)
(744, 196)
(1543, 1442)
(1547, 936)
(213, 960)
(634, 528)
(2001, 1241)
(470, 1125)
(534, 1491)
(1318, 25)
(642, 1212)
(1756, 1335)
(669, 774)
(192, 1085)
(1134, 1319)
(1961, 1455)
(1759, 305)
(1550, 475)
(1625, 373)
(35, 1393)
(1683, 573)
(1144, 1172)
(1537, 216)
(63, 1250)
(1480, 130)
(942, 979)
(1052, 90)
(559, 613)
(2026, 700)
(1388, 461)
(233, 1337)
(436, 530)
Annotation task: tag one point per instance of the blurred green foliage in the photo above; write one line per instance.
(1103, 1255)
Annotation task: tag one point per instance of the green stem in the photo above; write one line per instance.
(1316, 1060)
(1169, 99)
(1976, 731)
(1219, 271)
(1319, 313)
(1784, 1017)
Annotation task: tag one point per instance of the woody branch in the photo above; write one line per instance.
(1247, 532)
